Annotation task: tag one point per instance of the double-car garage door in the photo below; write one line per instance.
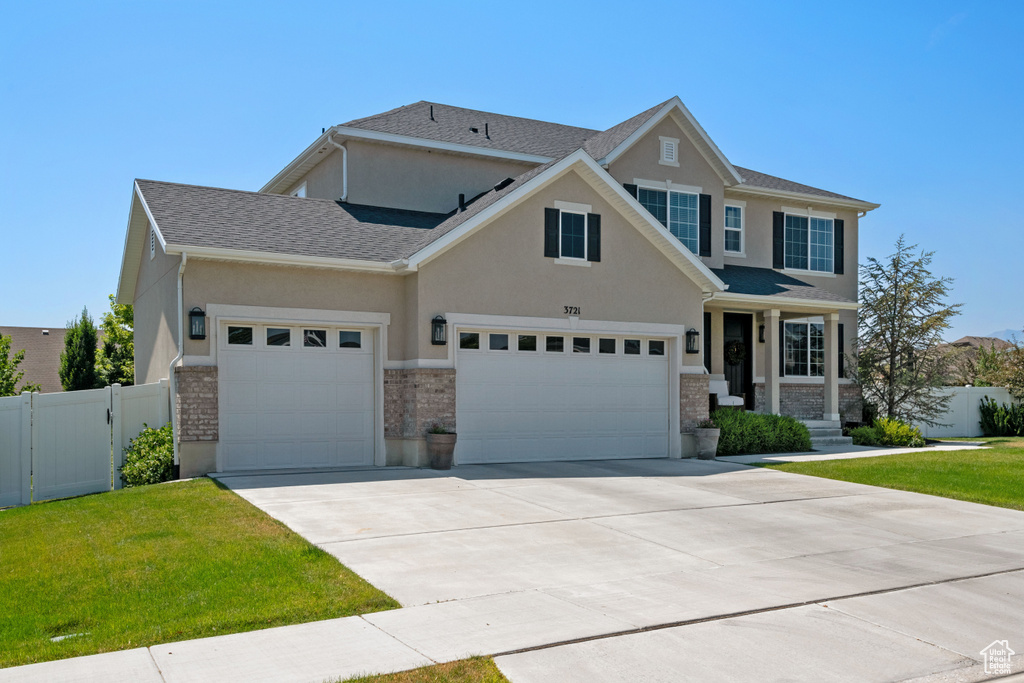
(303, 396)
(530, 396)
(295, 396)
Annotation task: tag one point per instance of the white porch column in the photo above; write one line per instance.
(772, 345)
(831, 411)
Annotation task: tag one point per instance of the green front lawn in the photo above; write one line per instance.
(993, 476)
(156, 564)
(475, 670)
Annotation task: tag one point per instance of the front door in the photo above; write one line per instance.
(737, 348)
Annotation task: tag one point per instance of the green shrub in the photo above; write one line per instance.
(1001, 420)
(755, 433)
(149, 457)
(865, 436)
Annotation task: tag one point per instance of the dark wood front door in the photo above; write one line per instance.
(737, 328)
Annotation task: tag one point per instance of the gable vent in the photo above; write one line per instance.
(668, 151)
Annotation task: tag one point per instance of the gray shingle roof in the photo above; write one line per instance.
(772, 283)
(493, 131)
(770, 182)
(212, 217)
(599, 146)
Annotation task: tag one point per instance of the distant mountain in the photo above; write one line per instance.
(1008, 335)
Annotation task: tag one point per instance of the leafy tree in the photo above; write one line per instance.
(9, 375)
(78, 359)
(1006, 369)
(902, 318)
(116, 364)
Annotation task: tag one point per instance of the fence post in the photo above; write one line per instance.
(26, 448)
(165, 402)
(116, 447)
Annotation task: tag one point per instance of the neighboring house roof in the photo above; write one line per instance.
(42, 347)
(190, 216)
(980, 342)
(765, 282)
(543, 141)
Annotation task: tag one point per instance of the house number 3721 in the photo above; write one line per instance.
(572, 310)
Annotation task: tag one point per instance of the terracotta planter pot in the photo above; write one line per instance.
(707, 443)
(440, 450)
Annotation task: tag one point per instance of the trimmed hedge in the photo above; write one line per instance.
(744, 433)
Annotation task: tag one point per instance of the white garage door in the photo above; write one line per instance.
(295, 396)
(528, 396)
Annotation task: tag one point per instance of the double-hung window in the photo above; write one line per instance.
(573, 235)
(805, 349)
(733, 229)
(809, 243)
(677, 211)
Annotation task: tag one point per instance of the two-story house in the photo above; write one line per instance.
(550, 292)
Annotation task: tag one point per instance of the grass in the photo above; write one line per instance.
(156, 564)
(993, 476)
(474, 670)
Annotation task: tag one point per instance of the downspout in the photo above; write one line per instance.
(344, 166)
(170, 368)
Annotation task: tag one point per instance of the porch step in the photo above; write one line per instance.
(827, 433)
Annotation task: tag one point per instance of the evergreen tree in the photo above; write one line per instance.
(116, 364)
(9, 375)
(903, 315)
(78, 359)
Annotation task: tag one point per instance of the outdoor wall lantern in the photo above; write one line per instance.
(760, 334)
(196, 323)
(438, 335)
(692, 341)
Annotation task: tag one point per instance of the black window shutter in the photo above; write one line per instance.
(705, 225)
(837, 243)
(782, 349)
(631, 189)
(707, 342)
(778, 239)
(593, 237)
(551, 233)
(842, 370)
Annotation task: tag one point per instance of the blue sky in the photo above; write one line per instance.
(915, 105)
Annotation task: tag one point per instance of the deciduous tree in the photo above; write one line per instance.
(116, 364)
(9, 374)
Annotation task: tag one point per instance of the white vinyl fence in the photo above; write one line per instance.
(963, 417)
(70, 444)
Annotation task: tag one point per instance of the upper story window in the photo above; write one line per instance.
(573, 236)
(733, 229)
(677, 211)
(299, 191)
(809, 243)
(669, 151)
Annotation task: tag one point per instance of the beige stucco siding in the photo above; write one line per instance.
(502, 270)
(405, 177)
(641, 161)
(156, 318)
(213, 282)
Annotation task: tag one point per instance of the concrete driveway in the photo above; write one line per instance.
(669, 570)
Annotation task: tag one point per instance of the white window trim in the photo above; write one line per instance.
(742, 206)
(573, 207)
(574, 260)
(667, 185)
(674, 143)
(808, 213)
(566, 261)
(816, 320)
(301, 188)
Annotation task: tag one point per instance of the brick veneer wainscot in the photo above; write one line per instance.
(415, 399)
(196, 403)
(693, 400)
(807, 401)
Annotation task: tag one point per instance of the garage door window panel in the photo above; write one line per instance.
(314, 339)
(527, 342)
(469, 340)
(656, 347)
(279, 336)
(631, 347)
(581, 344)
(555, 344)
(239, 336)
(350, 340)
(498, 342)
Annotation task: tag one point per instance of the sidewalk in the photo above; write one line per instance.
(846, 452)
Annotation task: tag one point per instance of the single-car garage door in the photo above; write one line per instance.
(525, 396)
(295, 396)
